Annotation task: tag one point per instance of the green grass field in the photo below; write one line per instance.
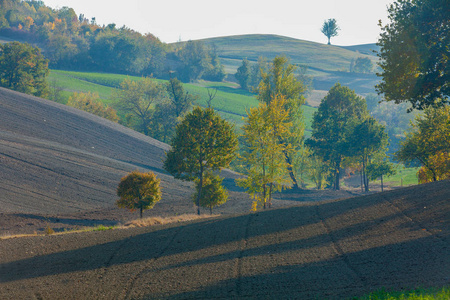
(417, 294)
(230, 101)
(319, 57)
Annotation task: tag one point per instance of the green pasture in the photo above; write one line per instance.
(416, 294)
(230, 101)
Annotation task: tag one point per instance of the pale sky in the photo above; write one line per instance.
(171, 20)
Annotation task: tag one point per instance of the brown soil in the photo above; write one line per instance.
(60, 167)
(328, 250)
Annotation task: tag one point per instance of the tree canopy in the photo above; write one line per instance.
(203, 142)
(278, 81)
(138, 190)
(331, 126)
(428, 141)
(23, 68)
(414, 53)
(264, 156)
(330, 29)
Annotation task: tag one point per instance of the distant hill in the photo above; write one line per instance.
(328, 64)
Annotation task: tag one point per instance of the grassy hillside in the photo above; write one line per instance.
(328, 64)
(230, 101)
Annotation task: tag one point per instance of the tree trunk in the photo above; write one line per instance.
(270, 194)
(382, 182)
(362, 184)
(141, 212)
(200, 190)
(336, 175)
(290, 170)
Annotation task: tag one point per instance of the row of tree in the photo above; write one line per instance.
(76, 43)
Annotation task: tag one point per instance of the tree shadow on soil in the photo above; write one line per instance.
(193, 237)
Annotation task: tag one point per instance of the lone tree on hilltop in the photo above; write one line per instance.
(203, 142)
(330, 29)
(138, 191)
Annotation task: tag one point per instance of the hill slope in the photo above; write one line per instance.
(328, 64)
(57, 159)
(328, 250)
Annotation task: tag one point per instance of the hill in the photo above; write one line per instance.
(329, 250)
(328, 64)
(60, 167)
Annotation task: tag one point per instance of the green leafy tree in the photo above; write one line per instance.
(24, 69)
(414, 54)
(264, 154)
(330, 29)
(281, 81)
(215, 70)
(138, 191)
(243, 74)
(366, 138)
(194, 61)
(203, 142)
(428, 138)
(138, 98)
(180, 99)
(362, 65)
(90, 102)
(212, 192)
(331, 124)
(380, 166)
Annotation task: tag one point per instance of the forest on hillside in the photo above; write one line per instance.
(71, 41)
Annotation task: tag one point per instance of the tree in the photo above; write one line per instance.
(264, 154)
(194, 61)
(281, 81)
(330, 29)
(414, 55)
(203, 142)
(180, 99)
(379, 167)
(331, 124)
(243, 74)
(366, 138)
(138, 99)
(212, 192)
(428, 142)
(362, 65)
(23, 68)
(89, 102)
(138, 191)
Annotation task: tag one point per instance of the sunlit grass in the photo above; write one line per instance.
(417, 294)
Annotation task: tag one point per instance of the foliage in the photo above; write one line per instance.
(73, 42)
(138, 191)
(199, 62)
(138, 98)
(281, 81)
(330, 29)
(203, 142)
(243, 74)
(428, 141)
(361, 65)
(367, 138)
(414, 53)
(212, 192)
(331, 124)
(264, 154)
(89, 102)
(23, 69)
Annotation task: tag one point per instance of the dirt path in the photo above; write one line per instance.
(326, 250)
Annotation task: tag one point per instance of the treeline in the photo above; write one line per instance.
(71, 41)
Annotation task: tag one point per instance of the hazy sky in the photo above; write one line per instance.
(171, 20)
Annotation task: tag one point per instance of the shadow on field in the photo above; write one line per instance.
(69, 221)
(397, 266)
(401, 258)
